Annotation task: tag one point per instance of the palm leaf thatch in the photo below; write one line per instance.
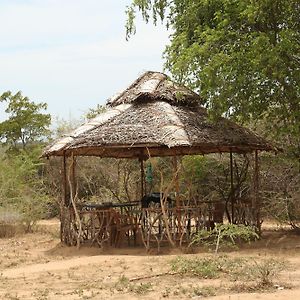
(156, 117)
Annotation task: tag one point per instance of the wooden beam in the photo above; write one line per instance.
(129, 151)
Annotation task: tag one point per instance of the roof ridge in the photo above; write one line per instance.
(114, 99)
(153, 86)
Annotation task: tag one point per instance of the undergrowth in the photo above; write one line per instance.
(248, 270)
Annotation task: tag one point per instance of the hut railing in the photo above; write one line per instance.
(109, 224)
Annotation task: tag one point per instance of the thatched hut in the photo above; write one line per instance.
(153, 117)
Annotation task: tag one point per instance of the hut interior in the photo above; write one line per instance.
(156, 120)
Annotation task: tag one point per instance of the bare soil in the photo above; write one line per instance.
(37, 266)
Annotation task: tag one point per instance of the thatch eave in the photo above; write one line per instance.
(146, 151)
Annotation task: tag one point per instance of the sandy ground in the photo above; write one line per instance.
(37, 266)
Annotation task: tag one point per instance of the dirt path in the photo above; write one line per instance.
(67, 264)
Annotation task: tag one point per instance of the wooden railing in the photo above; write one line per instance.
(111, 224)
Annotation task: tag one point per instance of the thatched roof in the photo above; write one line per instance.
(154, 116)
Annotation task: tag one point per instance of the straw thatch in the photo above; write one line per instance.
(156, 117)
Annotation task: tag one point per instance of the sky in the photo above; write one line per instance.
(72, 54)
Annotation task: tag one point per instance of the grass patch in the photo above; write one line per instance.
(123, 284)
(204, 291)
(191, 291)
(141, 289)
(262, 272)
(246, 270)
(200, 267)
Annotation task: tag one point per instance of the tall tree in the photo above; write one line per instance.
(242, 56)
(25, 123)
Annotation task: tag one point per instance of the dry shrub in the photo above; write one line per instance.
(9, 223)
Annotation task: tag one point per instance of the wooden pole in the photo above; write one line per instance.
(73, 197)
(256, 192)
(142, 177)
(73, 175)
(231, 188)
(175, 164)
(64, 206)
(64, 180)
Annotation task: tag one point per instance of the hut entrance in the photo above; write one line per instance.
(156, 120)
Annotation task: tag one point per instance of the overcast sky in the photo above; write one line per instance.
(73, 54)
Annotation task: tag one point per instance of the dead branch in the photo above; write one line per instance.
(153, 276)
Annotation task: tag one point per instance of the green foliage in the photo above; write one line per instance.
(242, 57)
(146, 7)
(200, 173)
(225, 235)
(22, 190)
(25, 123)
(280, 189)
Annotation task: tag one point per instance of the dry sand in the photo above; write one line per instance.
(37, 266)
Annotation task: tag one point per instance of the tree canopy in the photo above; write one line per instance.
(242, 56)
(25, 123)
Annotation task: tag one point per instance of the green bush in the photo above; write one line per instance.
(225, 235)
(23, 193)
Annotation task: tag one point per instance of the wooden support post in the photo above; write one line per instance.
(175, 164)
(63, 203)
(177, 200)
(142, 178)
(232, 200)
(73, 175)
(64, 181)
(256, 193)
(65, 217)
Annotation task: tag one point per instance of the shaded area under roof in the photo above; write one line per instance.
(156, 117)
